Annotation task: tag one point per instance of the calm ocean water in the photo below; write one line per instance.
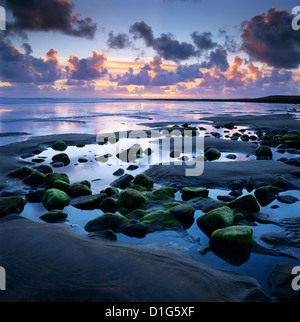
(36, 117)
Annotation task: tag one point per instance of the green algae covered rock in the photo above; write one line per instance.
(106, 221)
(191, 193)
(11, 205)
(55, 199)
(131, 199)
(54, 215)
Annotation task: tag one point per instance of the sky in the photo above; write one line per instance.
(149, 49)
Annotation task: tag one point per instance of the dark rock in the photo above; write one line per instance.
(132, 167)
(55, 199)
(185, 214)
(212, 154)
(35, 179)
(11, 205)
(143, 180)
(59, 146)
(106, 221)
(21, 173)
(133, 229)
(131, 199)
(287, 199)
(245, 204)
(119, 172)
(191, 193)
(88, 202)
(122, 182)
(61, 157)
(54, 216)
(82, 160)
(266, 194)
(44, 169)
(35, 196)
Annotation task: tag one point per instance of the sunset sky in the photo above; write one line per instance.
(149, 49)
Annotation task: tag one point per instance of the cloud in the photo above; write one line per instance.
(217, 58)
(17, 67)
(49, 15)
(165, 45)
(203, 41)
(269, 38)
(84, 69)
(120, 41)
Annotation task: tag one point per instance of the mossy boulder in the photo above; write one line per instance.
(52, 177)
(133, 228)
(59, 146)
(136, 214)
(34, 179)
(131, 199)
(111, 191)
(54, 215)
(232, 239)
(61, 157)
(21, 172)
(78, 190)
(264, 151)
(191, 193)
(279, 181)
(88, 202)
(109, 205)
(143, 180)
(216, 219)
(55, 199)
(122, 182)
(266, 194)
(291, 137)
(106, 221)
(212, 154)
(185, 214)
(163, 193)
(246, 204)
(11, 205)
(160, 220)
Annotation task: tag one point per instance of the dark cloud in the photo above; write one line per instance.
(203, 41)
(269, 38)
(49, 15)
(165, 45)
(17, 67)
(217, 58)
(142, 78)
(120, 41)
(90, 68)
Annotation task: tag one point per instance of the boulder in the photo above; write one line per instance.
(59, 146)
(163, 193)
(34, 179)
(52, 177)
(191, 193)
(61, 157)
(21, 172)
(106, 221)
(185, 214)
(131, 199)
(232, 239)
(35, 196)
(216, 219)
(88, 202)
(245, 204)
(143, 180)
(11, 205)
(44, 169)
(212, 154)
(122, 182)
(280, 181)
(287, 199)
(108, 205)
(133, 228)
(266, 194)
(54, 215)
(264, 151)
(160, 220)
(55, 199)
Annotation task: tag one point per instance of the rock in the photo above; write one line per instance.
(191, 193)
(216, 219)
(280, 280)
(287, 199)
(236, 185)
(226, 198)
(58, 164)
(212, 154)
(232, 239)
(185, 214)
(122, 182)
(245, 204)
(143, 180)
(264, 151)
(35, 179)
(266, 194)
(236, 193)
(231, 156)
(109, 205)
(131, 154)
(107, 234)
(54, 215)
(106, 221)
(132, 167)
(55, 199)
(88, 202)
(21, 173)
(205, 204)
(78, 190)
(38, 160)
(133, 229)
(35, 196)
(59, 146)
(131, 199)
(119, 172)
(44, 169)
(52, 177)
(111, 191)
(137, 214)
(160, 220)
(249, 184)
(61, 157)
(163, 193)
(229, 125)
(245, 137)
(11, 205)
(82, 160)
(280, 181)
